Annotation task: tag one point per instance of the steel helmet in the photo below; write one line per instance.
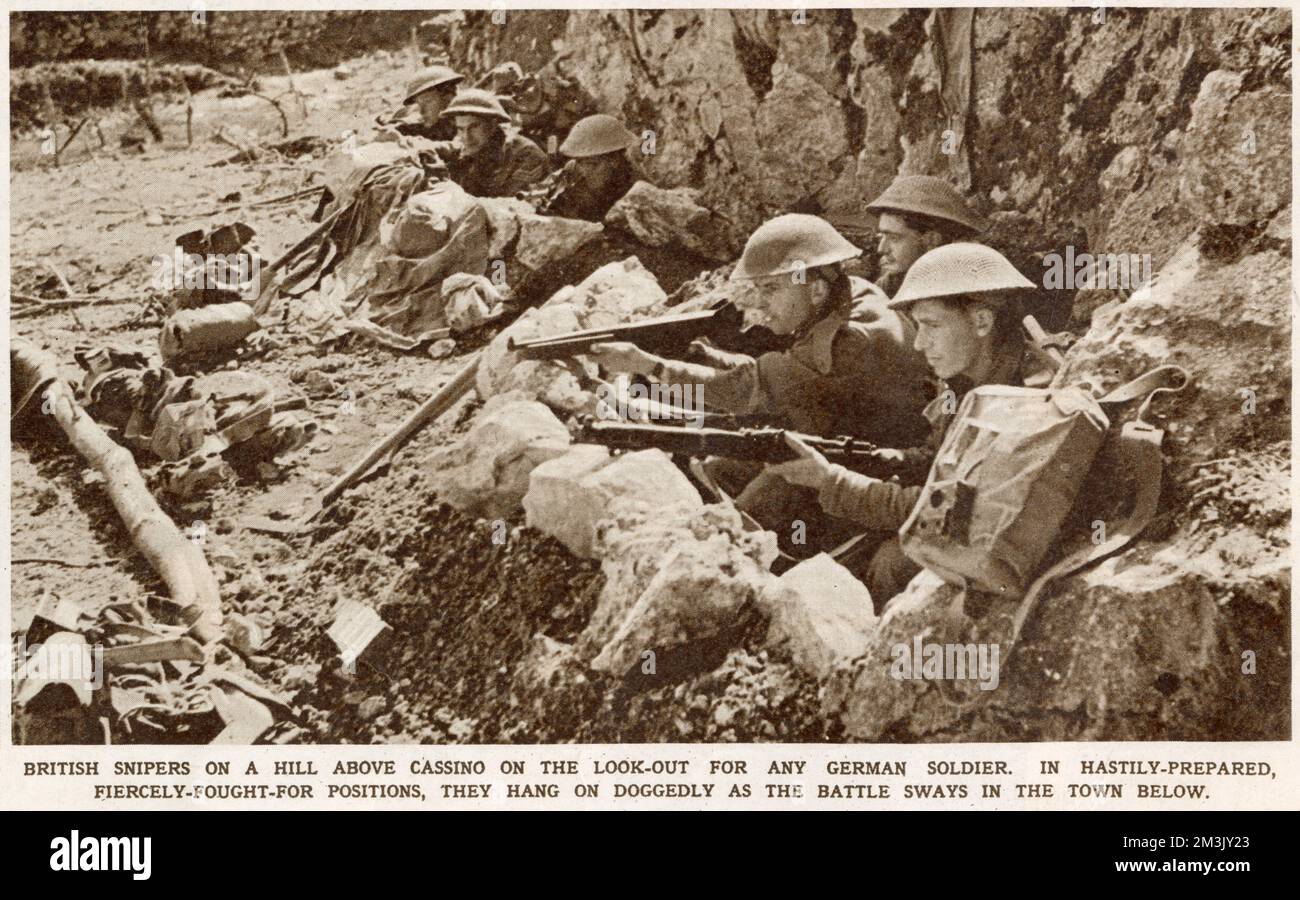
(477, 102)
(430, 78)
(959, 269)
(925, 195)
(792, 242)
(597, 135)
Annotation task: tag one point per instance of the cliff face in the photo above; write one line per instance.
(1157, 133)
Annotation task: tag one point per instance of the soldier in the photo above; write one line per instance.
(486, 160)
(917, 214)
(597, 174)
(432, 91)
(965, 301)
(857, 376)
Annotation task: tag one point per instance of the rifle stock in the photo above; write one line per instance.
(765, 445)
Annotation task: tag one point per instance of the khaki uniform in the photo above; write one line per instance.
(854, 376)
(857, 377)
(509, 164)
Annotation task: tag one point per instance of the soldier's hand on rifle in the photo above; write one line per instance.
(623, 356)
(811, 469)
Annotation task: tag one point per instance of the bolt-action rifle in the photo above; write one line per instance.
(766, 445)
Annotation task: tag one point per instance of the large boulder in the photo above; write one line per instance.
(634, 546)
(546, 240)
(671, 218)
(822, 614)
(569, 495)
(501, 371)
(616, 293)
(486, 473)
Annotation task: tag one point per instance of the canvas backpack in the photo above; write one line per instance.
(1008, 472)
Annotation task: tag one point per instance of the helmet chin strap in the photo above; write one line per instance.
(818, 313)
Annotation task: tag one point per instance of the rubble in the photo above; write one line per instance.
(486, 474)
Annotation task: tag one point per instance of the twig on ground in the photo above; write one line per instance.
(58, 151)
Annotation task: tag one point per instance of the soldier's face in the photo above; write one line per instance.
(595, 172)
(432, 103)
(472, 133)
(786, 300)
(900, 245)
(955, 340)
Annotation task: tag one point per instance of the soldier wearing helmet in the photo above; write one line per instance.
(964, 299)
(917, 214)
(598, 171)
(431, 91)
(486, 159)
(854, 376)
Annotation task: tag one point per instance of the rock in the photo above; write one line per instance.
(318, 385)
(486, 474)
(372, 706)
(545, 240)
(696, 594)
(1138, 648)
(636, 540)
(443, 348)
(594, 485)
(501, 371)
(822, 614)
(503, 223)
(299, 677)
(1227, 172)
(551, 488)
(545, 658)
(659, 217)
(616, 293)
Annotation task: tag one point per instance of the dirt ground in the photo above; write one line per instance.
(464, 663)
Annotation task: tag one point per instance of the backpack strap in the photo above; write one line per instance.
(1148, 384)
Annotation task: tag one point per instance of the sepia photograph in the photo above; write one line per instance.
(683, 376)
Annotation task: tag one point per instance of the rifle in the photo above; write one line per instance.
(766, 445)
(664, 336)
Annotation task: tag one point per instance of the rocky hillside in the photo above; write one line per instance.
(1136, 132)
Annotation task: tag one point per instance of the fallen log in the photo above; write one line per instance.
(179, 562)
(431, 409)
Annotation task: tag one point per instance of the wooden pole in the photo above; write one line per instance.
(435, 406)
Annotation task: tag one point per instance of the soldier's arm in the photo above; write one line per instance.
(738, 390)
(874, 504)
(530, 167)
